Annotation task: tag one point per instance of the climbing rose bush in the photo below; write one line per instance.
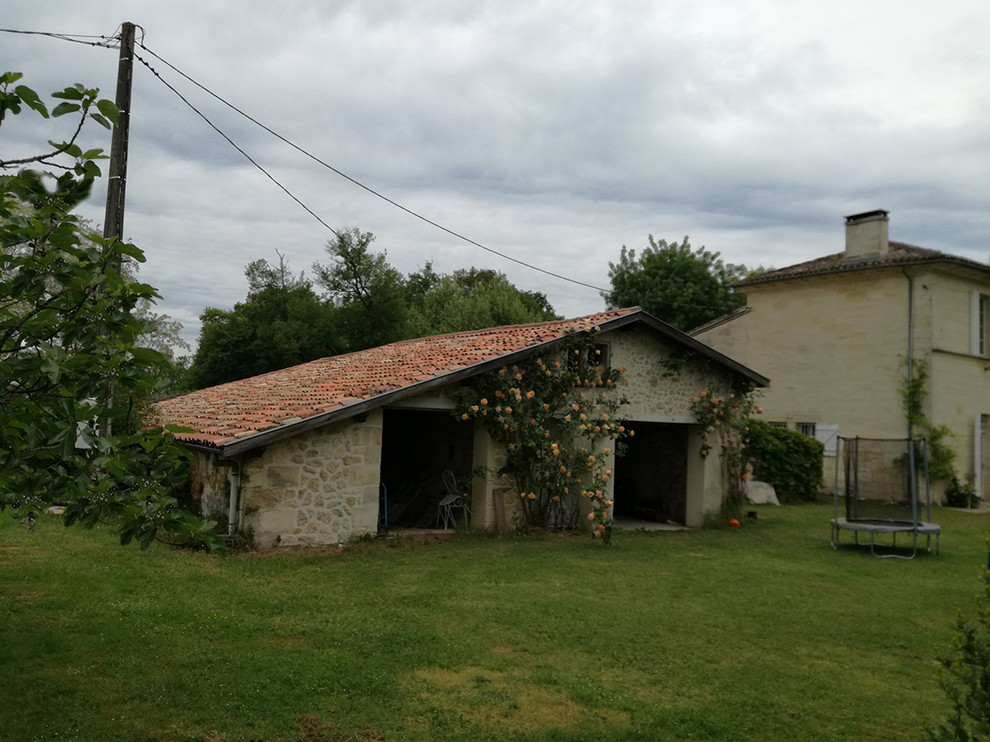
(724, 421)
(559, 417)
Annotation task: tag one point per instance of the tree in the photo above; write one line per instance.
(681, 286)
(281, 323)
(470, 299)
(366, 303)
(162, 333)
(69, 354)
(368, 293)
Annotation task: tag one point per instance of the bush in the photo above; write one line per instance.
(961, 495)
(964, 675)
(790, 461)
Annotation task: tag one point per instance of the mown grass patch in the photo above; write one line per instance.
(761, 633)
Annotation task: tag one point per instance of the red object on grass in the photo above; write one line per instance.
(733, 523)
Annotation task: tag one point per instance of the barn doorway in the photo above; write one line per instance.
(417, 446)
(651, 478)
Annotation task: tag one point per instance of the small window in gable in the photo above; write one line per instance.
(777, 424)
(597, 357)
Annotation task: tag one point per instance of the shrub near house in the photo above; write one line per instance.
(790, 461)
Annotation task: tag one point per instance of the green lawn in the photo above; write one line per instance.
(765, 633)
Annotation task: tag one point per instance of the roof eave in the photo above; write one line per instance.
(865, 265)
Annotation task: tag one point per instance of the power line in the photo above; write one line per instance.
(104, 41)
(230, 141)
(345, 176)
(111, 41)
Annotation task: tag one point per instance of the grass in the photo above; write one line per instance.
(765, 633)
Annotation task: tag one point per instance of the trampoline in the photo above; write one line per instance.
(885, 492)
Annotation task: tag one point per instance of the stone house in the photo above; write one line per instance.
(836, 334)
(325, 451)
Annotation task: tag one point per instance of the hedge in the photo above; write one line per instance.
(790, 461)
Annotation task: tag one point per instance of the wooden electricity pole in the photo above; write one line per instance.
(113, 222)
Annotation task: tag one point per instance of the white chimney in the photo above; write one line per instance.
(866, 234)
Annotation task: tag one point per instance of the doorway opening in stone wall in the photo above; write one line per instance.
(417, 446)
(651, 478)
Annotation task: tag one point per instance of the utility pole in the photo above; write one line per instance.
(113, 221)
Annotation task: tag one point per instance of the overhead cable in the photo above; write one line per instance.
(356, 182)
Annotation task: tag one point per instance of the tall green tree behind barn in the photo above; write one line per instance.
(368, 293)
(282, 322)
(683, 286)
(470, 299)
(366, 302)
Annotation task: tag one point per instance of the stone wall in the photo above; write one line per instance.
(315, 489)
(210, 487)
(659, 384)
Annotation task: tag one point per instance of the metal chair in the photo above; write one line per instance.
(452, 501)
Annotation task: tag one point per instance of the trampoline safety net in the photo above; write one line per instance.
(882, 479)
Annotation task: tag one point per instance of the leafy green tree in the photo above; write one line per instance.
(281, 323)
(162, 333)
(470, 299)
(366, 303)
(680, 285)
(68, 350)
(369, 294)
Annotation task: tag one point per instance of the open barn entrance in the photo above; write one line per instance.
(417, 446)
(651, 478)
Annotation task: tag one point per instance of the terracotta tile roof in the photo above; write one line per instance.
(899, 254)
(228, 413)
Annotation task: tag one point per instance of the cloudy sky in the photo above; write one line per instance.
(552, 131)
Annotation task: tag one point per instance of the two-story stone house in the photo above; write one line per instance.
(838, 335)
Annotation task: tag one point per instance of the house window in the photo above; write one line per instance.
(807, 429)
(979, 335)
(777, 424)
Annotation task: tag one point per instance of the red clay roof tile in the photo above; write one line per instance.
(230, 412)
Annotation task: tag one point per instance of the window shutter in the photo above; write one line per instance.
(974, 323)
(828, 434)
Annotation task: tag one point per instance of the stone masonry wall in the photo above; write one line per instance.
(659, 385)
(210, 487)
(317, 488)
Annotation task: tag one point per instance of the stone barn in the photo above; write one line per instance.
(323, 452)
